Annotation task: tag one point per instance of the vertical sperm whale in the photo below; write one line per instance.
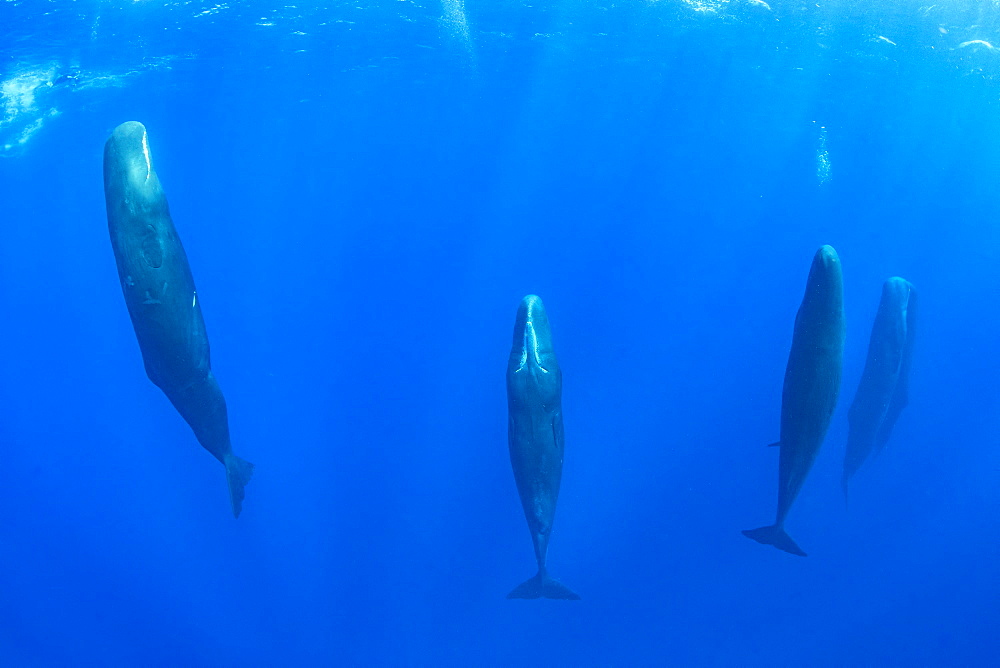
(883, 391)
(535, 437)
(161, 299)
(809, 394)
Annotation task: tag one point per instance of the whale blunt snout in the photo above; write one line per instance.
(129, 144)
(130, 137)
(129, 128)
(532, 309)
(897, 286)
(532, 301)
(825, 274)
(532, 332)
(827, 255)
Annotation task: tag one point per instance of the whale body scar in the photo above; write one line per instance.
(145, 153)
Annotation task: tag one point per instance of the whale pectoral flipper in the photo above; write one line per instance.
(775, 535)
(238, 474)
(543, 586)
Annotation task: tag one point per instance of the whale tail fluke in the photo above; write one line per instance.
(238, 474)
(775, 535)
(543, 586)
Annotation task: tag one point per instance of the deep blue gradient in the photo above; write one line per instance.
(363, 206)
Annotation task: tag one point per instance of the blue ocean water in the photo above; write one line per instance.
(365, 191)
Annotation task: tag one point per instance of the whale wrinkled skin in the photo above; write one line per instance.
(161, 298)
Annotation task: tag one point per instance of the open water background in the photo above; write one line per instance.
(365, 191)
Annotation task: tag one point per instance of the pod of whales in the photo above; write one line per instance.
(809, 394)
(161, 299)
(883, 391)
(164, 308)
(535, 437)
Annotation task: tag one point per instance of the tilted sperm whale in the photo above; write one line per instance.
(161, 298)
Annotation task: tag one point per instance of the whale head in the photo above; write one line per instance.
(897, 290)
(826, 281)
(128, 147)
(132, 190)
(532, 343)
